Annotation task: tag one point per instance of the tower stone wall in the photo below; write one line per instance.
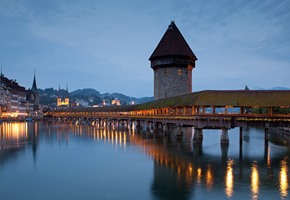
(172, 81)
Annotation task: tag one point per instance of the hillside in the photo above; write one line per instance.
(87, 97)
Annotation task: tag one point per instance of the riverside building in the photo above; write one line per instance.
(15, 101)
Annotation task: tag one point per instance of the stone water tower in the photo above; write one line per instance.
(172, 62)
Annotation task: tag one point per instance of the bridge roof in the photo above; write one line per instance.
(238, 98)
(172, 44)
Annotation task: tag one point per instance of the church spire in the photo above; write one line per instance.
(34, 87)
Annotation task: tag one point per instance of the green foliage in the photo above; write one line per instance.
(260, 110)
(281, 110)
(275, 110)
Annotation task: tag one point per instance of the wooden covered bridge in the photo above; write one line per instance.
(222, 109)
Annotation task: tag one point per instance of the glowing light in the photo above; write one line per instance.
(120, 138)
(255, 183)
(229, 179)
(268, 157)
(125, 140)
(209, 179)
(283, 179)
(190, 169)
(189, 175)
(178, 170)
(199, 175)
(12, 133)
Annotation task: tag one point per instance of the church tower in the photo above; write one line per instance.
(172, 62)
(34, 91)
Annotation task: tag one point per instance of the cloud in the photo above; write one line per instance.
(99, 40)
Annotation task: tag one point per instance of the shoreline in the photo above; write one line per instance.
(21, 119)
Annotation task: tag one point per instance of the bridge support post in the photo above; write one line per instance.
(266, 145)
(159, 127)
(241, 143)
(130, 125)
(179, 133)
(165, 128)
(266, 133)
(225, 150)
(155, 127)
(137, 124)
(224, 136)
(116, 124)
(147, 126)
(197, 135)
(197, 148)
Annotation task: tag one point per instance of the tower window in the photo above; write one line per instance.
(165, 72)
(179, 72)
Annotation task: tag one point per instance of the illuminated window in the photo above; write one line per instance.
(179, 72)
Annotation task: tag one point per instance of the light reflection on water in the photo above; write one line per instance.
(13, 134)
(255, 181)
(229, 179)
(283, 179)
(181, 169)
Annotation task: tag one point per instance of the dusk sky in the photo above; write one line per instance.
(105, 45)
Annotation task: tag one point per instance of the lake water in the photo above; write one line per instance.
(57, 161)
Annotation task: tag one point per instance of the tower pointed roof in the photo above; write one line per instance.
(172, 44)
(34, 87)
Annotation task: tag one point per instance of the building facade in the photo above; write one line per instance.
(15, 101)
(12, 98)
(62, 100)
(172, 62)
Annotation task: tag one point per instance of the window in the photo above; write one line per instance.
(179, 72)
(165, 72)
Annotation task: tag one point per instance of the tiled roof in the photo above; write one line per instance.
(172, 44)
(11, 84)
(238, 98)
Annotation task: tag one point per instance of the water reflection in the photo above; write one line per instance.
(199, 175)
(12, 135)
(181, 169)
(15, 137)
(181, 166)
(283, 179)
(209, 178)
(229, 179)
(255, 182)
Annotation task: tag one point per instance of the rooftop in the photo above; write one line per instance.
(237, 98)
(172, 44)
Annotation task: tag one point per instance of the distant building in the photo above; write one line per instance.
(116, 102)
(62, 100)
(106, 102)
(172, 62)
(82, 103)
(12, 98)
